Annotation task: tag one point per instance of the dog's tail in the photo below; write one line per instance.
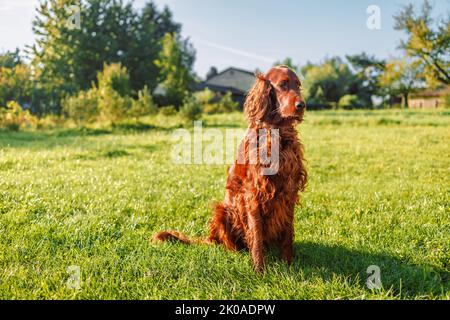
(176, 236)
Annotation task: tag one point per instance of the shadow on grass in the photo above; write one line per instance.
(142, 127)
(223, 125)
(49, 139)
(403, 278)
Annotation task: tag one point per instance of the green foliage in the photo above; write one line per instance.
(205, 96)
(110, 101)
(227, 104)
(215, 103)
(367, 72)
(333, 77)
(428, 41)
(401, 77)
(175, 77)
(14, 117)
(67, 60)
(154, 24)
(15, 84)
(168, 110)
(144, 104)
(191, 109)
(82, 107)
(447, 101)
(112, 106)
(114, 101)
(114, 77)
(288, 62)
(350, 101)
(318, 98)
(10, 59)
(91, 198)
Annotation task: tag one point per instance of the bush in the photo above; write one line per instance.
(110, 101)
(114, 77)
(113, 107)
(213, 103)
(50, 121)
(82, 107)
(14, 117)
(144, 104)
(447, 101)
(15, 84)
(114, 90)
(226, 103)
(205, 96)
(349, 101)
(211, 108)
(168, 111)
(191, 109)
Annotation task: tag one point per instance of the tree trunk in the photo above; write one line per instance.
(405, 100)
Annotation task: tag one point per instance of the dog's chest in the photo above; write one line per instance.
(290, 160)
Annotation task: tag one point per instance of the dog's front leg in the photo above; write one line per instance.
(286, 245)
(255, 240)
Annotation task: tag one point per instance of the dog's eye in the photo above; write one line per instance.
(284, 85)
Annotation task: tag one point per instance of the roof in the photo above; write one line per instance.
(231, 79)
(159, 90)
(432, 93)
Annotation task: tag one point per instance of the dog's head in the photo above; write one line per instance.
(275, 97)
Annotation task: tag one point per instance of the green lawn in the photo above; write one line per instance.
(378, 194)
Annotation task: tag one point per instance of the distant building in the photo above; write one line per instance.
(428, 98)
(234, 80)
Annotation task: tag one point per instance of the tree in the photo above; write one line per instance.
(428, 41)
(68, 59)
(350, 101)
(288, 62)
(367, 70)
(401, 77)
(15, 83)
(152, 26)
(53, 54)
(175, 70)
(114, 92)
(327, 82)
(10, 59)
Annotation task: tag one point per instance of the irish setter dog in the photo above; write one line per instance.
(258, 210)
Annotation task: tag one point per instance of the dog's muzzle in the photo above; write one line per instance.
(300, 105)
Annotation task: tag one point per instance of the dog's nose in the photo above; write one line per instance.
(300, 105)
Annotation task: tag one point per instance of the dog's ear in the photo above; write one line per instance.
(259, 100)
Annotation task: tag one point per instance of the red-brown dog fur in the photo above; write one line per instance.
(258, 210)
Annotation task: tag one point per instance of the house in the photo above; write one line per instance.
(429, 98)
(234, 80)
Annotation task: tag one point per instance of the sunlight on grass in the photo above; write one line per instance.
(378, 194)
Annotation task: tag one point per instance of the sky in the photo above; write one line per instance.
(252, 34)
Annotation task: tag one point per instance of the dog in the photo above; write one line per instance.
(258, 209)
